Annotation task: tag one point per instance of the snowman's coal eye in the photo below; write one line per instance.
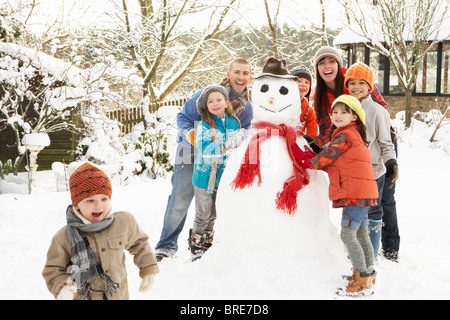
(264, 88)
(284, 90)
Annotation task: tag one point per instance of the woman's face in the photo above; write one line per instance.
(328, 69)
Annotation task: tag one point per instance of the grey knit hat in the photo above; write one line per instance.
(327, 52)
(303, 72)
(201, 101)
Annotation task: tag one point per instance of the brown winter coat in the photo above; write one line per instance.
(108, 246)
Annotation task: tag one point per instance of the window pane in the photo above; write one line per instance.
(377, 66)
(394, 82)
(345, 54)
(360, 53)
(445, 84)
(426, 76)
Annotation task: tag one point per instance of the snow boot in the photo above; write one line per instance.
(375, 235)
(358, 285)
(373, 275)
(208, 239)
(391, 255)
(160, 256)
(196, 245)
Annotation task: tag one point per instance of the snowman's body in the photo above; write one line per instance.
(251, 212)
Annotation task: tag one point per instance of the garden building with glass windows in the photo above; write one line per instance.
(432, 88)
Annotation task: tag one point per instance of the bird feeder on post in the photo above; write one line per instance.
(35, 142)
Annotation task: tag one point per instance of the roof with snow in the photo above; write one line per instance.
(353, 34)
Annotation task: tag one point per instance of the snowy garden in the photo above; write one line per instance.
(30, 220)
(140, 163)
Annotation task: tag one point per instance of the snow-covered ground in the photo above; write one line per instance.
(29, 222)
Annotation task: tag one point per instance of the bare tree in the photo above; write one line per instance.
(163, 50)
(402, 30)
(324, 36)
(272, 27)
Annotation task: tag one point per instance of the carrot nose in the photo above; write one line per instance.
(271, 101)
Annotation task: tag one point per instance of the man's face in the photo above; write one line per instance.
(240, 76)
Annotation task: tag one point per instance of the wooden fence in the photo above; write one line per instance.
(130, 117)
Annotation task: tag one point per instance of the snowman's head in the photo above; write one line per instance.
(276, 100)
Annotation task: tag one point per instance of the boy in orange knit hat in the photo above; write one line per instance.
(359, 82)
(86, 257)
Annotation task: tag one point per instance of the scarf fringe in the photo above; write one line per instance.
(246, 176)
(287, 198)
(86, 287)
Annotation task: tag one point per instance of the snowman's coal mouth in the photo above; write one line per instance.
(277, 110)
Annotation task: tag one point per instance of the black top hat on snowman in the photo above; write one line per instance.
(276, 68)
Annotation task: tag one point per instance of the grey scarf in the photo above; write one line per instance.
(85, 268)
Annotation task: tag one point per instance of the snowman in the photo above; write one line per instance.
(267, 204)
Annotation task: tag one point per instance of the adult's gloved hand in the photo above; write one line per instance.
(391, 172)
(312, 143)
(191, 135)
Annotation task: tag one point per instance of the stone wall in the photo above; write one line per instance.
(419, 103)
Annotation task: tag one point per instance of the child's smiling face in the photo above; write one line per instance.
(358, 88)
(303, 86)
(340, 117)
(94, 208)
(216, 104)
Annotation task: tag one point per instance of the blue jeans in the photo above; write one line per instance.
(354, 217)
(178, 202)
(376, 212)
(390, 238)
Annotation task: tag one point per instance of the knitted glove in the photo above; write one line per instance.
(233, 142)
(391, 172)
(312, 143)
(67, 292)
(302, 157)
(191, 135)
(147, 282)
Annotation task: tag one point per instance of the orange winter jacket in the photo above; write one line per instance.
(308, 119)
(351, 174)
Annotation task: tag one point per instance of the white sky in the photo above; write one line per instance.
(84, 12)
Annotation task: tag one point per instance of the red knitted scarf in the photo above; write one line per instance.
(250, 167)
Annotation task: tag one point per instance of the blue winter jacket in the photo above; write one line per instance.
(188, 118)
(207, 149)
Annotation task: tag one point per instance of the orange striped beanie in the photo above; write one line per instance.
(88, 180)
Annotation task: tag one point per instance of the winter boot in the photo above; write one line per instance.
(208, 239)
(375, 235)
(391, 255)
(358, 285)
(196, 245)
(373, 275)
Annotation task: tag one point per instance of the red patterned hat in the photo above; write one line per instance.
(88, 180)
